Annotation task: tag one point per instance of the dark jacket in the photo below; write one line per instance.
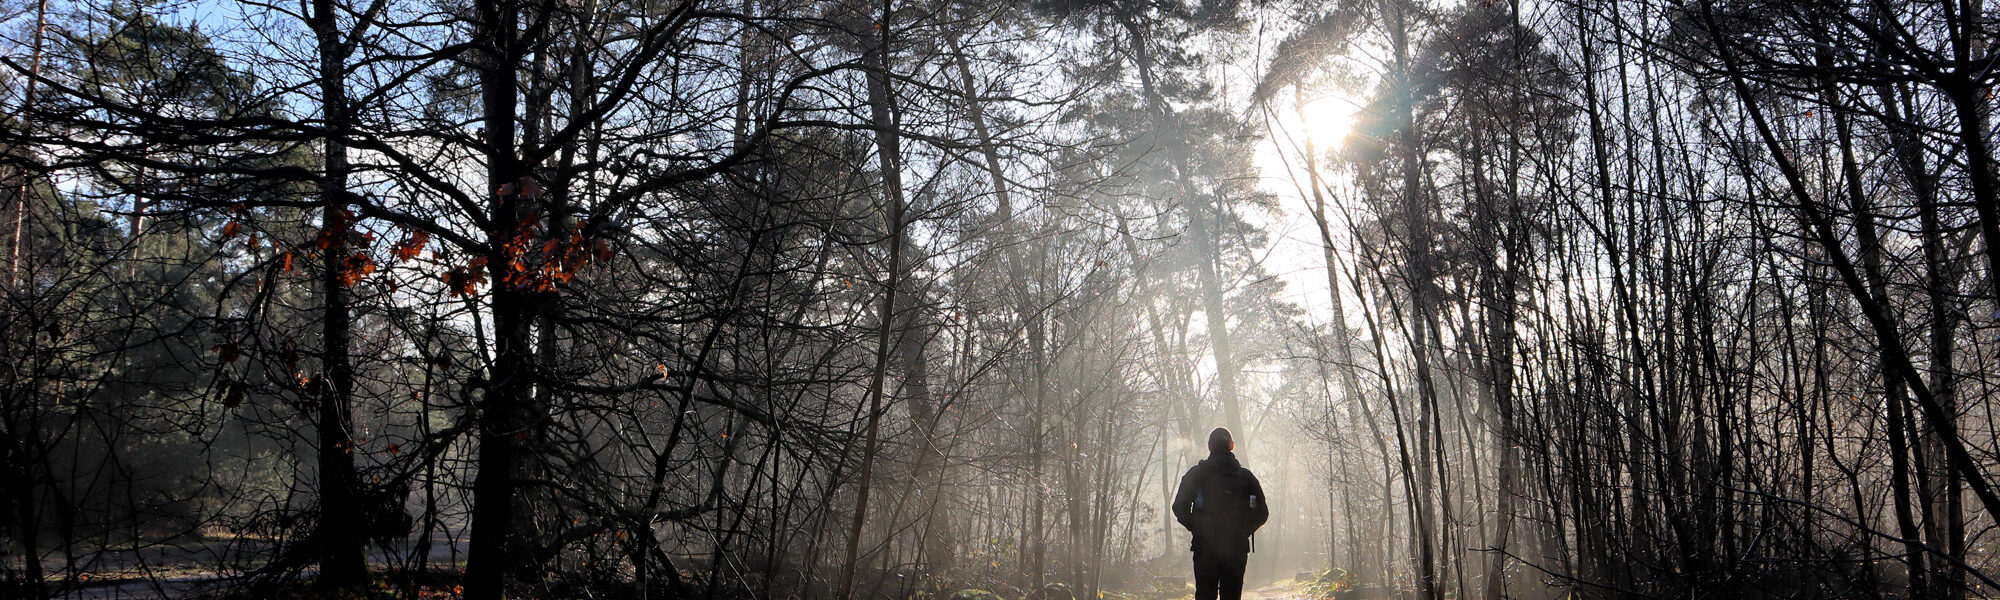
(1198, 475)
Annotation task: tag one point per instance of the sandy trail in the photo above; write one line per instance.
(1272, 591)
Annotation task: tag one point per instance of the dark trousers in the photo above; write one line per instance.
(1220, 572)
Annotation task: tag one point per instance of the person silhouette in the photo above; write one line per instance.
(1222, 504)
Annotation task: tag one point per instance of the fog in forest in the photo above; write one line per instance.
(942, 299)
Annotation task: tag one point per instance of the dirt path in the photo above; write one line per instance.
(1272, 591)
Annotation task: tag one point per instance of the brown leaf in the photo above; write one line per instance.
(233, 397)
(228, 352)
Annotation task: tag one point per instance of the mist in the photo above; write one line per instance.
(946, 299)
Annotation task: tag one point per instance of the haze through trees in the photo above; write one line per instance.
(778, 298)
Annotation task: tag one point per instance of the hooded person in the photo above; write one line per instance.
(1222, 504)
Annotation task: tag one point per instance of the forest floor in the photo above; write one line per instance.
(168, 571)
(180, 569)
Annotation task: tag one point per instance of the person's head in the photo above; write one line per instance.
(1220, 441)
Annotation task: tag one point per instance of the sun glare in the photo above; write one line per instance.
(1328, 119)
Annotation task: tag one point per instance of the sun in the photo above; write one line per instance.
(1328, 119)
(1296, 255)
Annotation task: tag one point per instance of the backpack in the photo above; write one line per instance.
(1224, 509)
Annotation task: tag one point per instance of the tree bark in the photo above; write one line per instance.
(888, 143)
(342, 534)
(506, 416)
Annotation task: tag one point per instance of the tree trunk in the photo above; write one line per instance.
(1416, 221)
(342, 534)
(1208, 237)
(506, 414)
(889, 150)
